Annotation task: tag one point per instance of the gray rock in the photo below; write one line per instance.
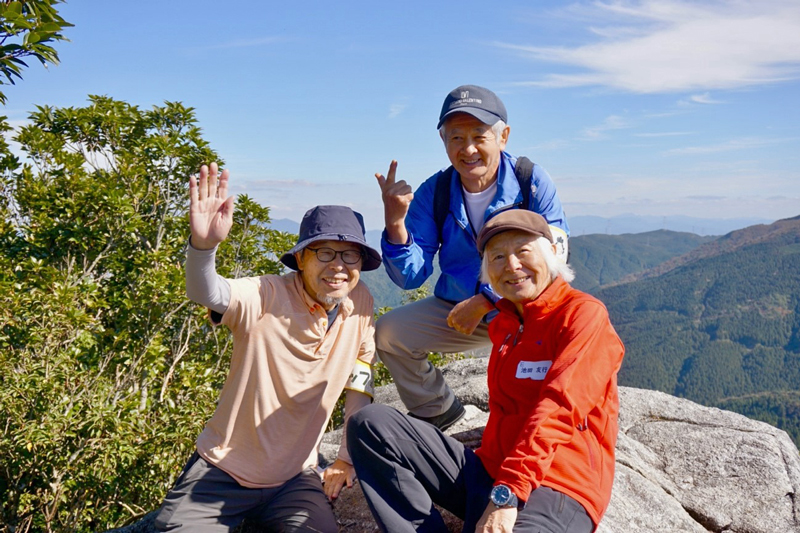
(725, 471)
(681, 467)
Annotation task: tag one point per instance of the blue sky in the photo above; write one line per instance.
(645, 107)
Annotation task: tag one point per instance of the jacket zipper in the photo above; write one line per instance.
(503, 360)
(516, 337)
(582, 428)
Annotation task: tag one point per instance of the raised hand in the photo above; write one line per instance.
(210, 207)
(397, 196)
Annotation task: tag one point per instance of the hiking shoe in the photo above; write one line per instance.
(443, 421)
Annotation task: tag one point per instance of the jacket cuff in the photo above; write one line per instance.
(489, 294)
(388, 246)
(521, 488)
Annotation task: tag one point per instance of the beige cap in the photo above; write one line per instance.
(514, 219)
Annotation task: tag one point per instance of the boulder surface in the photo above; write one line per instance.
(681, 467)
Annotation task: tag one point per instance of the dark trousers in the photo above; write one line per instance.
(405, 466)
(207, 500)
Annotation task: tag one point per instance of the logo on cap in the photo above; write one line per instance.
(464, 94)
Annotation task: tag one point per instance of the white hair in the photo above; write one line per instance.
(497, 129)
(555, 266)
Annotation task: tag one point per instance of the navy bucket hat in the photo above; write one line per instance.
(333, 223)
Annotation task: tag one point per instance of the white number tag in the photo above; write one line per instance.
(361, 379)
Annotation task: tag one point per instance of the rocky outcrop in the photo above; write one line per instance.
(681, 467)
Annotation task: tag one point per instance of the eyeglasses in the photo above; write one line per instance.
(326, 255)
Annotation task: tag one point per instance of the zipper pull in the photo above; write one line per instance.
(503, 345)
(519, 332)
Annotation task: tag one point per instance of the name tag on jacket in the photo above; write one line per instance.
(535, 370)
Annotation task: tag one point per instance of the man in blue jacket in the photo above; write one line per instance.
(472, 125)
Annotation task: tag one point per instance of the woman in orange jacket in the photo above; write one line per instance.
(546, 461)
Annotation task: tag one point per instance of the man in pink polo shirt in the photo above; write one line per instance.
(298, 341)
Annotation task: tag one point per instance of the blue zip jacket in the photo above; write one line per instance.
(409, 265)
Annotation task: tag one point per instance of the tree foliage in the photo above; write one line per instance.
(27, 29)
(107, 371)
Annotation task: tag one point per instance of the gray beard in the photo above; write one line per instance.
(330, 301)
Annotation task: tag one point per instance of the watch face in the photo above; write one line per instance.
(500, 495)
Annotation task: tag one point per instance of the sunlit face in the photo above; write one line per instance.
(474, 150)
(516, 268)
(328, 283)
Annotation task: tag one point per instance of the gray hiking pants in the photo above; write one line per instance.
(405, 466)
(207, 500)
(403, 338)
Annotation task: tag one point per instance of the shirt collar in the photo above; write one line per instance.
(313, 306)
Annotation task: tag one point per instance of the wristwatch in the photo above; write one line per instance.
(502, 496)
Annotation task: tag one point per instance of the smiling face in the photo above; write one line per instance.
(516, 268)
(474, 150)
(328, 283)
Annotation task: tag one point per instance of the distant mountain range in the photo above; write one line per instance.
(586, 225)
(618, 225)
(719, 325)
(715, 320)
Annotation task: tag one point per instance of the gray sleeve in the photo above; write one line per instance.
(203, 285)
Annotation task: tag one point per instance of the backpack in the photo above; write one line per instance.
(441, 196)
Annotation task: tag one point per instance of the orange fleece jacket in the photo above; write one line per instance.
(553, 401)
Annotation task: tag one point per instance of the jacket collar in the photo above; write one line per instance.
(507, 194)
(546, 302)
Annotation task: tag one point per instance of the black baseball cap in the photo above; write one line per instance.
(479, 102)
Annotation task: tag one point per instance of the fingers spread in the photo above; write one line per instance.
(223, 184)
(202, 184)
(193, 190)
(227, 207)
(212, 180)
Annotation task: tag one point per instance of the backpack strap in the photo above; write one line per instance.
(441, 195)
(524, 172)
(441, 199)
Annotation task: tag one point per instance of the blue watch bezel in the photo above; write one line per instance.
(506, 499)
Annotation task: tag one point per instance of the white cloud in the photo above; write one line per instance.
(396, 109)
(728, 146)
(661, 46)
(276, 184)
(704, 98)
(663, 134)
(612, 122)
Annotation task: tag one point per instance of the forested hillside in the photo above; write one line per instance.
(722, 329)
(604, 259)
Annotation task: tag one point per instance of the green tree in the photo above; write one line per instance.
(27, 29)
(107, 371)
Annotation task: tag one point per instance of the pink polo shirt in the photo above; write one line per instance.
(287, 372)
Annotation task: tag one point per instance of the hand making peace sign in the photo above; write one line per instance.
(397, 196)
